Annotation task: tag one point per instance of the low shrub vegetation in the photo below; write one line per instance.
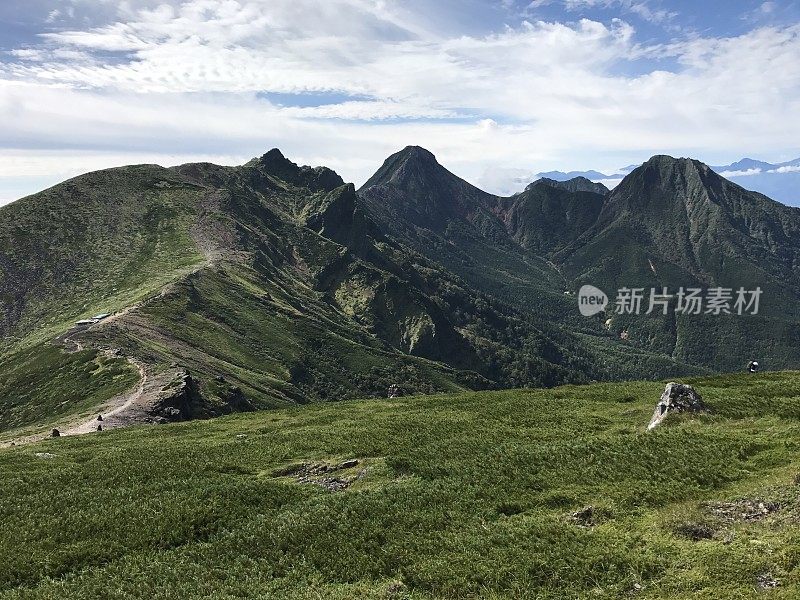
(517, 494)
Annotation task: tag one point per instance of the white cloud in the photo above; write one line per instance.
(644, 9)
(369, 111)
(504, 181)
(750, 172)
(42, 55)
(610, 183)
(743, 173)
(228, 46)
(184, 78)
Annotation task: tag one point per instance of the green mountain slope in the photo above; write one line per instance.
(546, 218)
(233, 288)
(576, 184)
(702, 224)
(675, 223)
(458, 496)
(96, 243)
(230, 282)
(501, 247)
(265, 284)
(416, 200)
(671, 223)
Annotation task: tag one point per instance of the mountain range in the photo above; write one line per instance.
(780, 181)
(269, 284)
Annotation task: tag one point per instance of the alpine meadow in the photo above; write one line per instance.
(476, 372)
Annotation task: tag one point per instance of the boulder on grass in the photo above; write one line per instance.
(677, 398)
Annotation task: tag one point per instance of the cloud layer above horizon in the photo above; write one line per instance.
(497, 90)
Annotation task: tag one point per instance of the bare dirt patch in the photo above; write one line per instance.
(332, 477)
(742, 510)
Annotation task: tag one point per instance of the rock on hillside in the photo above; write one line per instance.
(677, 398)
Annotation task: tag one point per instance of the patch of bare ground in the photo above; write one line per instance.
(742, 510)
(157, 398)
(161, 395)
(766, 581)
(214, 237)
(332, 477)
(718, 519)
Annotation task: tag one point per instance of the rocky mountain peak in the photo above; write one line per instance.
(669, 166)
(275, 163)
(666, 180)
(315, 178)
(412, 163)
(418, 153)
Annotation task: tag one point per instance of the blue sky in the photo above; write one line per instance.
(497, 89)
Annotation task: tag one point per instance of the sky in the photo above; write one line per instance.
(498, 89)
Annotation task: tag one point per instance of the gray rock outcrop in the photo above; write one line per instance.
(677, 398)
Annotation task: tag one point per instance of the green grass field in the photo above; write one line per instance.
(455, 496)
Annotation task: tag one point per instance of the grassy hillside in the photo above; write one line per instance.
(279, 343)
(228, 273)
(42, 384)
(94, 244)
(454, 496)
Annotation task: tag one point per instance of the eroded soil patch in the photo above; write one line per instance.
(742, 510)
(333, 477)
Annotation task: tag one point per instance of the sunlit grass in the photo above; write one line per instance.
(465, 495)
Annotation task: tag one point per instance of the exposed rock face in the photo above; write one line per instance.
(315, 178)
(183, 400)
(178, 401)
(677, 398)
(336, 217)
